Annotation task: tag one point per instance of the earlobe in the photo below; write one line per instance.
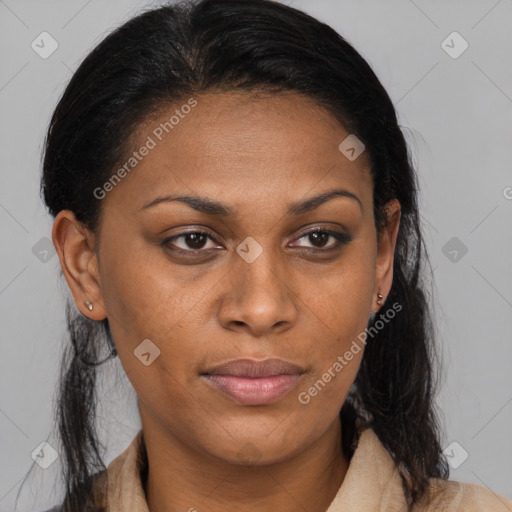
(386, 252)
(75, 247)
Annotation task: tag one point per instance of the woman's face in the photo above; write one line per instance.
(249, 280)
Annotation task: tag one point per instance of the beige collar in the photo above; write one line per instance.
(371, 464)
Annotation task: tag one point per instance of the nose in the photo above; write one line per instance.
(259, 298)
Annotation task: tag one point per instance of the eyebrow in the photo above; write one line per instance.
(211, 207)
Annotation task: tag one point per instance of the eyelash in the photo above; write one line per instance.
(341, 239)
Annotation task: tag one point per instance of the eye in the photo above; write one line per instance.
(192, 242)
(319, 239)
(195, 242)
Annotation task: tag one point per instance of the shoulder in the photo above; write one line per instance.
(450, 496)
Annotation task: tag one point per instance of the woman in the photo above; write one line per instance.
(236, 217)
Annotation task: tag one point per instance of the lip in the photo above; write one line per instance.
(251, 382)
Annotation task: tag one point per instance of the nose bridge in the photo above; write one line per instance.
(260, 297)
(259, 270)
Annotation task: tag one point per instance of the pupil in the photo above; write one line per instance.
(195, 240)
(319, 236)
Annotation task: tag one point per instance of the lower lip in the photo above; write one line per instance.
(254, 391)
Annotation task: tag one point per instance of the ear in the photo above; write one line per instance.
(75, 247)
(386, 252)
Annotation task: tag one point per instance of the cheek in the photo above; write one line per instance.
(337, 355)
(340, 309)
(142, 297)
(342, 301)
(153, 316)
(335, 358)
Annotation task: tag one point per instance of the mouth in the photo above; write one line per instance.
(250, 382)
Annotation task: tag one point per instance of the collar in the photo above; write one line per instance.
(370, 463)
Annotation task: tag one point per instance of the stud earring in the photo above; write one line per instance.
(379, 299)
(88, 305)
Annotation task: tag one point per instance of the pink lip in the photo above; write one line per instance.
(251, 382)
(254, 390)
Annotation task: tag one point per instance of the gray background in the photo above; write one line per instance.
(456, 113)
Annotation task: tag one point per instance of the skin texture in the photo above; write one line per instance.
(299, 300)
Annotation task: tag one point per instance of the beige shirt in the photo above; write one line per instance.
(371, 484)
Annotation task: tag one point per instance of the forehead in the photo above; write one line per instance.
(241, 144)
(246, 122)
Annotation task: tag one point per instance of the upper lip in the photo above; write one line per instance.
(253, 368)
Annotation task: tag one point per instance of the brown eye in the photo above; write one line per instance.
(195, 240)
(191, 241)
(319, 239)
